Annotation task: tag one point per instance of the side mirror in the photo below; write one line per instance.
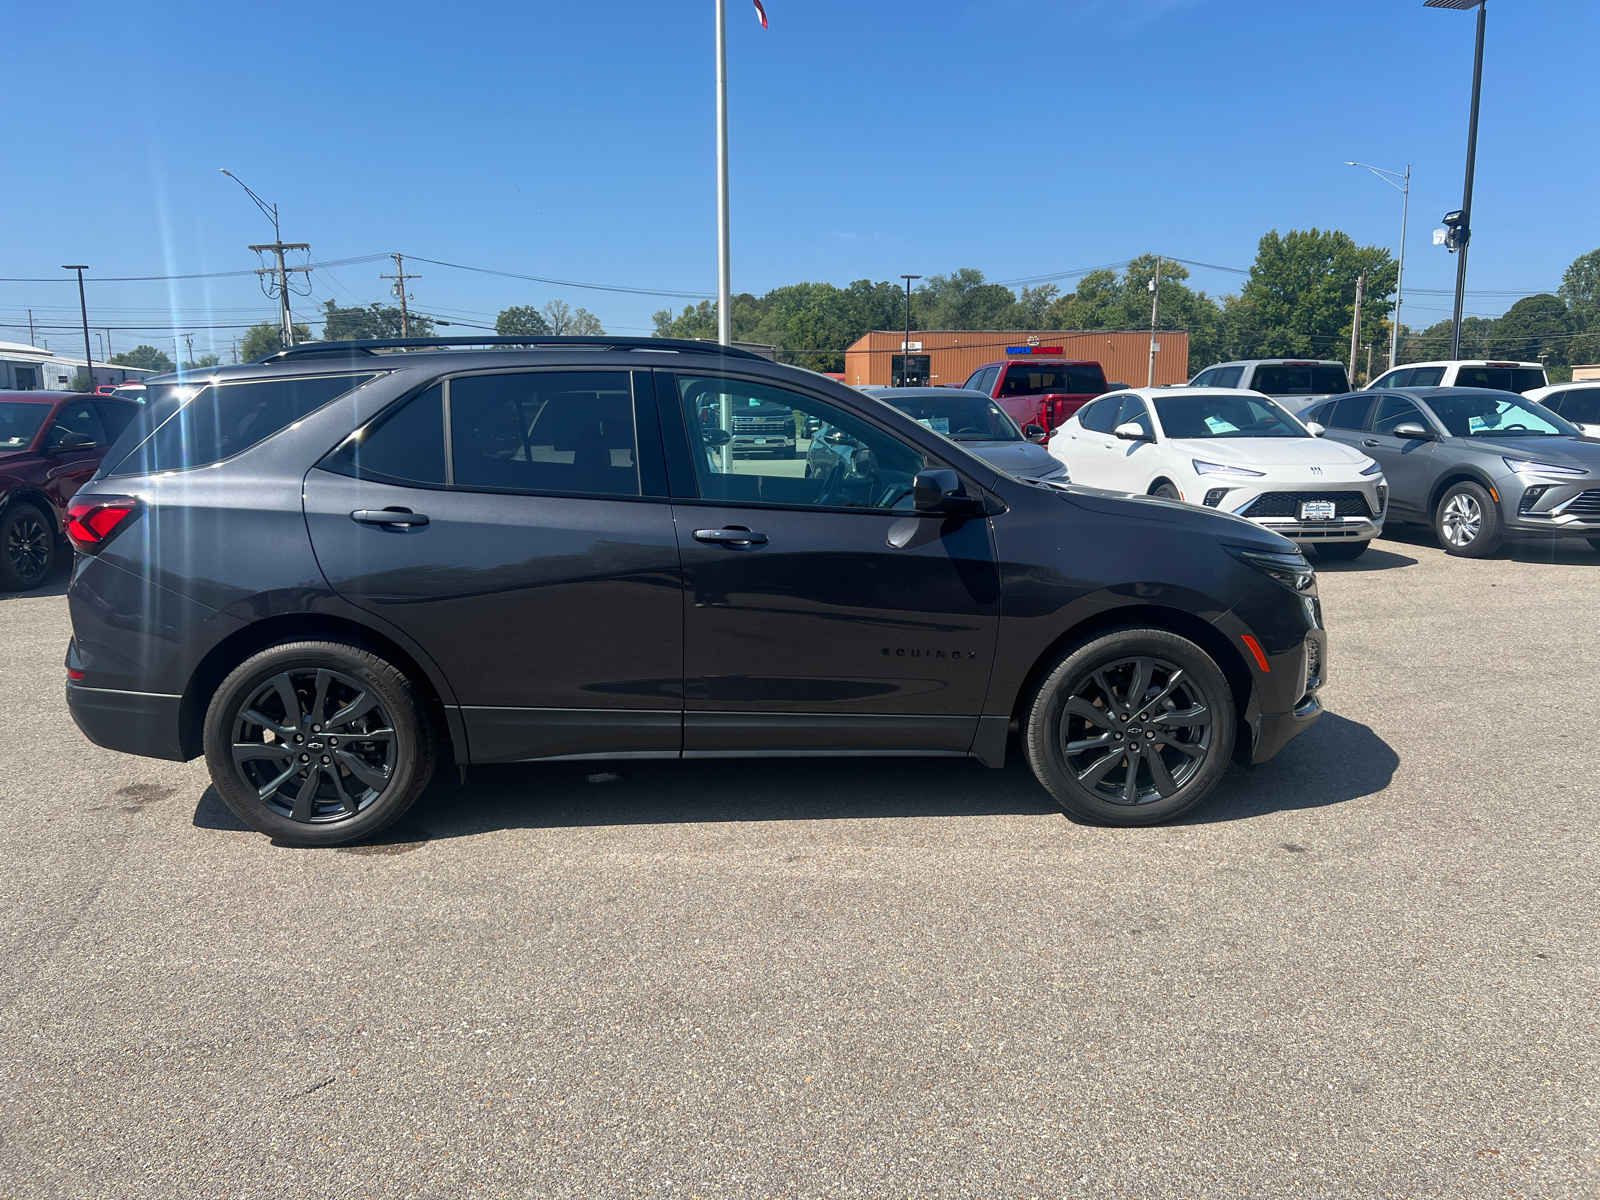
(1132, 431)
(717, 436)
(1413, 429)
(941, 491)
(1314, 429)
(1036, 434)
(838, 437)
(71, 439)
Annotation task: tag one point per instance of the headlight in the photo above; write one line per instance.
(1375, 469)
(1538, 468)
(1291, 570)
(1211, 468)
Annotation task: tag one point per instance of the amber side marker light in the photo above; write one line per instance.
(1255, 648)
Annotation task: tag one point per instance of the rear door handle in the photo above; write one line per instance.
(731, 537)
(1369, 441)
(388, 516)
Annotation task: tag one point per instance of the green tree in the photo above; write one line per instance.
(521, 319)
(1433, 343)
(563, 319)
(267, 338)
(962, 300)
(1105, 300)
(1299, 300)
(145, 358)
(1535, 329)
(202, 363)
(373, 321)
(1580, 289)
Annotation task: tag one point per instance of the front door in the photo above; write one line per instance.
(1407, 462)
(820, 613)
(545, 580)
(1091, 449)
(71, 469)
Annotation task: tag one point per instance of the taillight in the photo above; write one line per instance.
(93, 522)
(1044, 415)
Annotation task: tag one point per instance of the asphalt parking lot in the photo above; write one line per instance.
(1367, 968)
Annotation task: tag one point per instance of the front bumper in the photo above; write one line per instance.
(1352, 526)
(1551, 509)
(143, 723)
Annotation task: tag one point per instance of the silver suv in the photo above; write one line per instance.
(1292, 382)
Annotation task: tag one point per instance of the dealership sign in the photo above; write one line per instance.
(1033, 349)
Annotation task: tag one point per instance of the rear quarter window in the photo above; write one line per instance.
(220, 421)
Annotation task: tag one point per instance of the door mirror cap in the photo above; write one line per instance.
(1036, 433)
(941, 491)
(1413, 429)
(717, 436)
(838, 437)
(1314, 429)
(71, 439)
(1132, 431)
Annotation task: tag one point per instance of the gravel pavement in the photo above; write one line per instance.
(1367, 968)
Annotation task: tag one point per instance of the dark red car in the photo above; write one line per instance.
(51, 443)
(1040, 391)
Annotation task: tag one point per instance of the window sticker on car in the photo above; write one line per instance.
(1218, 425)
(937, 424)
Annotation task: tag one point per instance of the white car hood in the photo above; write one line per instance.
(1270, 452)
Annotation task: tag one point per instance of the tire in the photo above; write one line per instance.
(1467, 522)
(1087, 690)
(27, 547)
(1165, 491)
(354, 792)
(1341, 551)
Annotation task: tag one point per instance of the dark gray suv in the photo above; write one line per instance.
(1478, 465)
(329, 570)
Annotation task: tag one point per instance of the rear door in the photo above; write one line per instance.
(1090, 449)
(820, 613)
(1346, 419)
(516, 526)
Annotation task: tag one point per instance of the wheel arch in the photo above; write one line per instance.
(1166, 479)
(232, 650)
(1454, 476)
(28, 493)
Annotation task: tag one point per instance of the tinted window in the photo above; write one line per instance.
(1225, 417)
(1101, 416)
(116, 417)
(1394, 379)
(79, 417)
(1424, 377)
(1349, 412)
(19, 422)
(840, 461)
(1582, 406)
(1228, 377)
(989, 376)
(1496, 414)
(569, 432)
(1290, 380)
(1027, 379)
(1392, 411)
(196, 428)
(960, 418)
(1133, 410)
(406, 446)
(1204, 378)
(1501, 379)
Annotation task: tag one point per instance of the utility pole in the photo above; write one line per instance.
(905, 346)
(236, 352)
(400, 290)
(1404, 188)
(277, 246)
(31, 342)
(724, 262)
(1355, 324)
(108, 345)
(83, 307)
(1155, 310)
(188, 340)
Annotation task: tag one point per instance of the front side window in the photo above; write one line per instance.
(1393, 411)
(960, 418)
(1204, 378)
(79, 418)
(195, 427)
(116, 417)
(1027, 379)
(1134, 411)
(19, 421)
(1225, 417)
(1394, 379)
(1500, 415)
(568, 432)
(752, 443)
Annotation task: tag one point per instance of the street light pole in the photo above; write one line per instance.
(83, 308)
(1464, 228)
(1404, 188)
(905, 346)
(724, 262)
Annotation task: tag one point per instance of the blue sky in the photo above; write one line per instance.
(575, 142)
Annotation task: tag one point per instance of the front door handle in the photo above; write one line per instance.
(1369, 441)
(732, 536)
(388, 516)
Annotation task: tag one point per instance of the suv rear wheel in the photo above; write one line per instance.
(1467, 521)
(27, 547)
(1133, 728)
(318, 743)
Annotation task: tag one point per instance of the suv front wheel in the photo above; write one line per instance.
(1467, 521)
(318, 743)
(1133, 728)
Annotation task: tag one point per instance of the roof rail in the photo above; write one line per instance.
(532, 342)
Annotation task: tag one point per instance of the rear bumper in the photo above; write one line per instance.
(143, 723)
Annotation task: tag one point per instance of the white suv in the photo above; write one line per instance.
(1478, 373)
(1578, 402)
(1295, 383)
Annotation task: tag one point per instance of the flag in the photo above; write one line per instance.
(761, 13)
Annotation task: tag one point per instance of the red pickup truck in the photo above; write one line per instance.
(1040, 391)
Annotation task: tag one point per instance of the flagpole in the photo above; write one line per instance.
(724, 266)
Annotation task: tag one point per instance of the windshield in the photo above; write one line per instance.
(19, 421)
(1045, 378)
(1313, 379)
(1498, 414)
(1225, 417)
(960, 418)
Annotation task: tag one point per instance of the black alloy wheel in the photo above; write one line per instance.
(318, 743)
(1467, 522)
(1133, 728)
(27, 548)
(1341, 551)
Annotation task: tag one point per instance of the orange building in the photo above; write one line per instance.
(948, 357)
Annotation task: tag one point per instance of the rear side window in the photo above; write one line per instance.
(1228, 377)
(1287, 379)
(1424, 377)
(406, 446)
(568, 432)
(1582, 407)
(1347, 413)
(1026, 379)
(218, 422)
(1101, 416)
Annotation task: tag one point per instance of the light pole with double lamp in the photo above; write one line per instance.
(1461, 224)
(1404, 187)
